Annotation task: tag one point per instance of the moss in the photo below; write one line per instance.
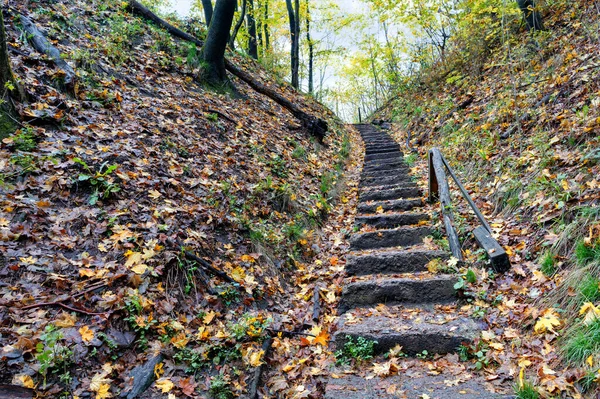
(7, 125)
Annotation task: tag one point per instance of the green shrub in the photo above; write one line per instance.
(360, 350)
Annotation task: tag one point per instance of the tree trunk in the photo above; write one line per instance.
(238, 25)
(315, 125)
(208, 11)
(295, 50)
(252, 48)
(213, 51)
(265, 25)
(310, 51)
(531, 14)
(259, 28)
(8, 116)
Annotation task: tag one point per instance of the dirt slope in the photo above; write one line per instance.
(99, 184)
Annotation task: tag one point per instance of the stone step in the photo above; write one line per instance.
(416, 289)
(349, 386)
(390, 220)
(381, 150)
(390, 205)
(384, 156)
(394, 193)
(399, 165)
(390, 262)
(395, 178)
(385, 173)
(416, 330)
(400, 237)
(391, 158)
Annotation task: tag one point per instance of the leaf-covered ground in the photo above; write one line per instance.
(523, 135)
(108, 192)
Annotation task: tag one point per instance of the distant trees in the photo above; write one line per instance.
(208, 11)
(294, 19)
(251, 21)
(213, 51)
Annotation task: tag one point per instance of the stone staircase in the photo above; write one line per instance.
(389, 295)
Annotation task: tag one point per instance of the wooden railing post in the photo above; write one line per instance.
(444, 195)
(433, 183)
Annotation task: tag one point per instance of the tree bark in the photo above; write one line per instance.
(252, 47)
(238, 25)
(8, 116)
(41, 44)
(295, 49)
(311, 49)
(531, 14)
(208, 11)
(213, 51)
(265, 25)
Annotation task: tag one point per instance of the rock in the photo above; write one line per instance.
(122, 339)
(390, 205)
(382, 262)
(15, 392)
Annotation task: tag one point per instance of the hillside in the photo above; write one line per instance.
(146, 220)
(519, 121)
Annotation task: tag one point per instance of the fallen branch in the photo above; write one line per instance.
(316, 126)
(289, 333)
(207, 266)
(41, 44)
(62, 305)
(266, 347)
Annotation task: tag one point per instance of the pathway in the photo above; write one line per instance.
(390, 296)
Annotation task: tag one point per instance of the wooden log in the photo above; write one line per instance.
(440, 179)
(498, 257)
(41, 44)
(204, 264)
(315, 126)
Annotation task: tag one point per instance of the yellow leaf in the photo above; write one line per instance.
(547, 322)
(159, 370)
(590, 311)
(590, 360)
(379, 209)
(25, 381)
(139, 269)
(180, 340)
(238, 274)
(322, 338)
(103, 392)
(87, 334)
(385, 369)
(496, 345)
(154, 194)
(65, 320)
(288, 367)
(165, 385)
(209, 317)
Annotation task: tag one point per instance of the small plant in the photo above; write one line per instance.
(278, 166)
(24, 140)
(359, 350)
(468, 278)
(213, 117)
(589, 288)
(100, 180)
(585, 253)
(422, 355)
(220, 388)
(140, 323)
(228, 293)
(299, 153)
(547, 264)
(410, 159)
(249, 327)
(526, 390)
(51, 354)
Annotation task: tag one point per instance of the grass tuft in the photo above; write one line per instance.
(582, 341)
(526, 391)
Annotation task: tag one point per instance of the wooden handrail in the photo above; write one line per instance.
(439, 189)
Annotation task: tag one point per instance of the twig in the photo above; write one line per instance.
(284, 333)
(62, 305)
(207, 266)
(214, 111)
